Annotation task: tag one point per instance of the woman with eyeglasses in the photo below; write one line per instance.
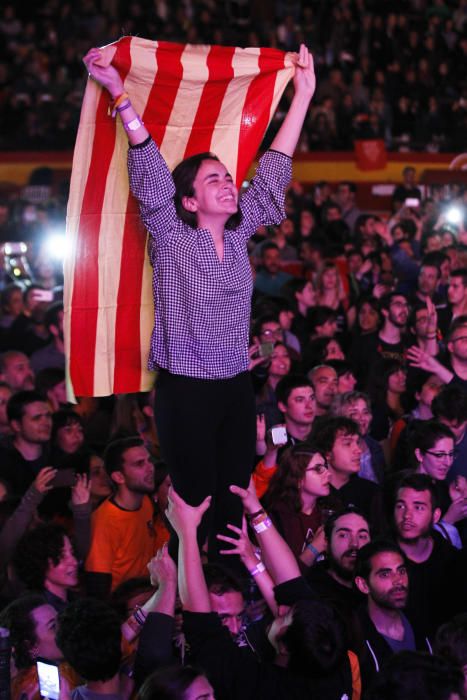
(293, 500)
(433, 449)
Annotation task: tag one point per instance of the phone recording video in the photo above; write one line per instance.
(49, 679)
(266, 349)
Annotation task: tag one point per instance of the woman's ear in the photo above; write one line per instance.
(190, 204)
(418, 455)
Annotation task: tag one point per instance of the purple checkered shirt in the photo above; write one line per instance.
(202, 305)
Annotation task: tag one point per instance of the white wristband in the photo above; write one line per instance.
(259, 568)
(133, 125)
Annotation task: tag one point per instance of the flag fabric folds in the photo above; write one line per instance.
(191, 99)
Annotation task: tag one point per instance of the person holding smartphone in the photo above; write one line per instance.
(204, 409)
(32, 622)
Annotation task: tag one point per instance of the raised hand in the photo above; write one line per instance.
(182, 516)
(249, 498)
(304, 78)
(419, 358)
(102, 72)
(43, 481)
(241, 545)
(162, 568)
(81, 491)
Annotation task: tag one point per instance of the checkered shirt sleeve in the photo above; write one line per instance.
(202, 304)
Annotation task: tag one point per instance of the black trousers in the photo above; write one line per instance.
(207, 433)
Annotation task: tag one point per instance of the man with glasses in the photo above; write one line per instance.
(269, 330)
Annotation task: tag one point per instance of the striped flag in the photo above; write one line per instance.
(191, 99)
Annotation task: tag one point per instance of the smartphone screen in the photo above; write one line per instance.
(266, 349)
(412, 202)
(49, 679)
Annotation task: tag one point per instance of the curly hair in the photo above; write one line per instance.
(33, 552)
(16, 617)
(89, 637)
(284, 487)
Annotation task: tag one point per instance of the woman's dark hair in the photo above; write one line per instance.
(184, 176)
(341, 366)
(169, 683)
(62, 418)
(315, 352)
(316, 639)
(375, 305)
(48, 378)
(33, 552)
(319, 315)
(427, 433)
(17, 618)
(284, 487)
(378, 380)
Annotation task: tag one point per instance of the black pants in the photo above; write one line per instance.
(207, 433)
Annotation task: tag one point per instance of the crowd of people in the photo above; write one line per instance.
(392, 72)
(349, 573)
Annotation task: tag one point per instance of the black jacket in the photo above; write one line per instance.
(374, 649)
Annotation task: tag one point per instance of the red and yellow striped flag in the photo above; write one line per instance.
(191, 99)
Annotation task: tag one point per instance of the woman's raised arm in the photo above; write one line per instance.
(304, 80)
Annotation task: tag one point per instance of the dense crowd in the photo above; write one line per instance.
(350, 571)
(394, 72)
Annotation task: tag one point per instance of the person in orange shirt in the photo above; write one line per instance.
(123, 537)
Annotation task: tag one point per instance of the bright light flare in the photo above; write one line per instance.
(56, 246)
(454, 216)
